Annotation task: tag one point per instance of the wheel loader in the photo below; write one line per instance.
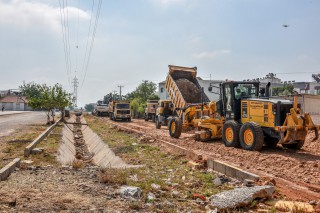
(250, 118)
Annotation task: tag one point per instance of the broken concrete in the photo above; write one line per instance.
(239, 197)
(130, 192)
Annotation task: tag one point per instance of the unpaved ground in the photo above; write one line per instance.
(297, 173)
(45, 186)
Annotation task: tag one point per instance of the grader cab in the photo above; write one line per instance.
(250, 119)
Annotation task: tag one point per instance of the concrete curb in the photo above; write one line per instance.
(9, 168)
(27, 150)
(230, 170)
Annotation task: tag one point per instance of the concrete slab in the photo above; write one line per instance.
(231, 170)
(9, 168)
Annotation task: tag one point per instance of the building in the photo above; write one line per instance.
(312, 88)
(213, 95)
(162, 91)
(12, 100)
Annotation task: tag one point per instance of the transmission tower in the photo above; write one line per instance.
(75, 84)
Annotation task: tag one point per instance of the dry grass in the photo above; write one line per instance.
(12, 146)
(168, 171)
(114, 176)
(50, 146)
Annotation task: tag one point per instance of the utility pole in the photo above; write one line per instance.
(120, 86)
(75, 84)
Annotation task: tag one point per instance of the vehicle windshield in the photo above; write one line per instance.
(244, 90)
(123, 106)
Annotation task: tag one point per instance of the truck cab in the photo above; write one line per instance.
(120, 110)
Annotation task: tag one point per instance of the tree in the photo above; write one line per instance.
(48, 98)
(286, 89)
(89, 107)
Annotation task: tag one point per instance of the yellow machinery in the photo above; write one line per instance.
(247, 118)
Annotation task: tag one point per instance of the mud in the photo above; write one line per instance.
(190, 92)
(297, 173)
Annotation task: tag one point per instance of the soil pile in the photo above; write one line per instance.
(190, 92)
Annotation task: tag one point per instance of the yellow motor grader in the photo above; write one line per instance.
(247, 117)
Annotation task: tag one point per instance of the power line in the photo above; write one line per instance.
(64, 41)
(92, 40)
(288, 73)
(87, 43)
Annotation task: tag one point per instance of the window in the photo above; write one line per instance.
(161, 89)
(244, 90)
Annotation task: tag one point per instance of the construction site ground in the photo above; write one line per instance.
(44, 185)
(168, 184)
(296, 173)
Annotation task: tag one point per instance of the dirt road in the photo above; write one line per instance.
(297, 173)
(12, 122)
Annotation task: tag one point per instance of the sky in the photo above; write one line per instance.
(136, 40)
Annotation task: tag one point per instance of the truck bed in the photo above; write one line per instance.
(183, 86)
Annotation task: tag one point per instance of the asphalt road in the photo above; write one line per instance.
(12, 122)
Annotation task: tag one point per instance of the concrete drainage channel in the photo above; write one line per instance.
(80, 143)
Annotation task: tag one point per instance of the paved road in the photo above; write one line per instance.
(10, 123)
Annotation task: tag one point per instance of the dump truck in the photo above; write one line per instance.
(120, 110)
(187, 97)
(100, 109)
(246, 117)
(150, 110)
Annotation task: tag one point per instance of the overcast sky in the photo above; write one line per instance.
(135, 40)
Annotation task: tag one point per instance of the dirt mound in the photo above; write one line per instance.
(190, 92)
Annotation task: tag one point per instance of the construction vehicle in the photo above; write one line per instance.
(187, 97)
(246, 117)
(120, 110)
(164, 113)
(100, 109)
(150, 110)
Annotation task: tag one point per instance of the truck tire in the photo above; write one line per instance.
(129, 119)
(146, 118)
(230, 133)
(297, 145)
(251, 136)
(175, 127)
(158, 124)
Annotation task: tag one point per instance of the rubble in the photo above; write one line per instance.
(239, 197)
(130, 192)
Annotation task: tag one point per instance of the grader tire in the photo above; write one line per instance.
(175, 127)
(230, 134)
(251, 136)
(297, 145)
